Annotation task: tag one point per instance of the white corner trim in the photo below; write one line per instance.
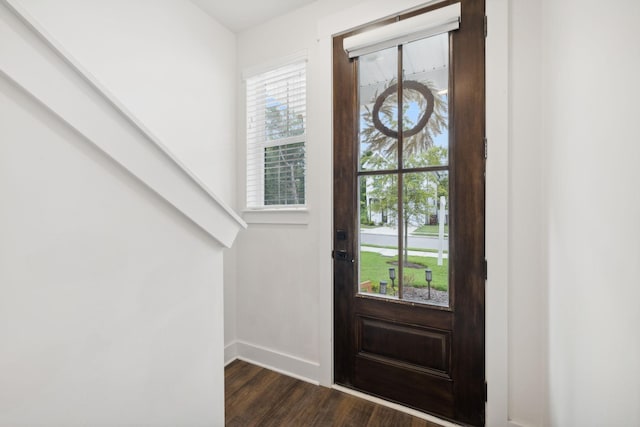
(283, 363)
(230, 352)
(497, 210)
(27, 46)
(276, 216)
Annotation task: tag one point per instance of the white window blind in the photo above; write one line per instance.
(429, 24)
(276, 133)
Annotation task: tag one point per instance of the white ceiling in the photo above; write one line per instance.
(238, 15)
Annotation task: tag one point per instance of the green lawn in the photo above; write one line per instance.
(431, 230)
(375, 267)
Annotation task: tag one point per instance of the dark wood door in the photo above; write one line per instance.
(409, 266)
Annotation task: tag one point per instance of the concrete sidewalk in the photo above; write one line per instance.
(389, 231)
(394, 252)
(392, 231)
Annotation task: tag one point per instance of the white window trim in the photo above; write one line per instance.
(253, 71)
(281, 214)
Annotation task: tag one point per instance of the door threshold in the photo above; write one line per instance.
(396, 406)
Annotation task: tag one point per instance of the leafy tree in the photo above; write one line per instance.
(284, 165)
(418, 189)
(284, 174)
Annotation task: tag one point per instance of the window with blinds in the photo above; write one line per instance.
(276, 123)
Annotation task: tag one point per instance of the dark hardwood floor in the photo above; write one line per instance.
(256, 396)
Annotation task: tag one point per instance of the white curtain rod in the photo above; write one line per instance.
(428, 24)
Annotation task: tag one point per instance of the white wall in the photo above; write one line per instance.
(168, 63)
(284, 270)
(538, 160)
(111, 297)
(590, 114)
(110, 302)
(278, 310)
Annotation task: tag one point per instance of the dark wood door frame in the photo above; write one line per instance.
(467, 121)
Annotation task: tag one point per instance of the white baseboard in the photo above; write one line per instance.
(286, 364)
(515, 424)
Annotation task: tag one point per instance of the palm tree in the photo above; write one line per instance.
(381, 137)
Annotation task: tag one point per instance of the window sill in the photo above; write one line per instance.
(285, 216)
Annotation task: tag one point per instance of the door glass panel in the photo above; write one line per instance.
(426, 237)
(378, 235)
(425, 65)
(415, 221)
(378, 100)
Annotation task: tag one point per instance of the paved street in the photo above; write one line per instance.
(386, 236)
